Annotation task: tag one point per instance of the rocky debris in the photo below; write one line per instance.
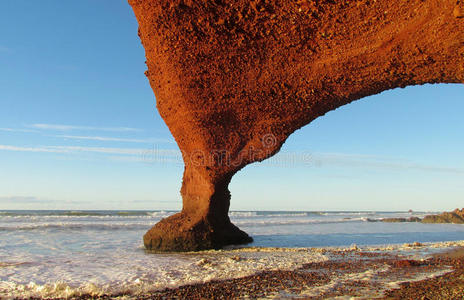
(405, 263)
(447, 286)
(234, 78)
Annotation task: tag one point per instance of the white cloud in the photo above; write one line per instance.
(18, 130)
(175, 158)
(140, 154)
(153, 201)
(114, 139)
(4, 49)
(105, 150)
(61, 127)
(71, 149)
(36, 200)
(284, 159)
(379, 162)
(20, 199)
(31, 149)
(88, 137)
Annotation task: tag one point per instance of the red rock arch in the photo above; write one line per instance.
(234, 78)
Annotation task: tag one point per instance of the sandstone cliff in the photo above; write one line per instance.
(234, 78)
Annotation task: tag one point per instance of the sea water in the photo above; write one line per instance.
(68, 253)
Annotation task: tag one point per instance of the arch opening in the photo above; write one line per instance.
(399, 150)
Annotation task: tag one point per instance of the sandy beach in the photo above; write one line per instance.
(350, 273)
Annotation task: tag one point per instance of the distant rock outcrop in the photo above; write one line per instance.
(401, 220)
(234, 78)
(455, 217)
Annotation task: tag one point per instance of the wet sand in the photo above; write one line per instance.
(349, 273)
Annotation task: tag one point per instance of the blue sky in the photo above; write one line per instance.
(79, 130)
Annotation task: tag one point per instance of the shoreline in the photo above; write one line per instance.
(364, 273)
(116, 264)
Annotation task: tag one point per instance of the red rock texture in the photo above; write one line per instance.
(234, 78)
(407, 263)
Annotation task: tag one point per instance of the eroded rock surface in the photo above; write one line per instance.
(234, 78)
(456, 217)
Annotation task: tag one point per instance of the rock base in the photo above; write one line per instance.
(182, 233)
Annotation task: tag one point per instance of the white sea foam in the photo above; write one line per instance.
(142, 272)
(76, 226)
(243, 214)
(115, 222)
(288, 221)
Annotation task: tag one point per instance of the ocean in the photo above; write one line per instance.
(68, 253)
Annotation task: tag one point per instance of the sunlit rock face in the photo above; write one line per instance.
(455, 217)
(234, 78)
